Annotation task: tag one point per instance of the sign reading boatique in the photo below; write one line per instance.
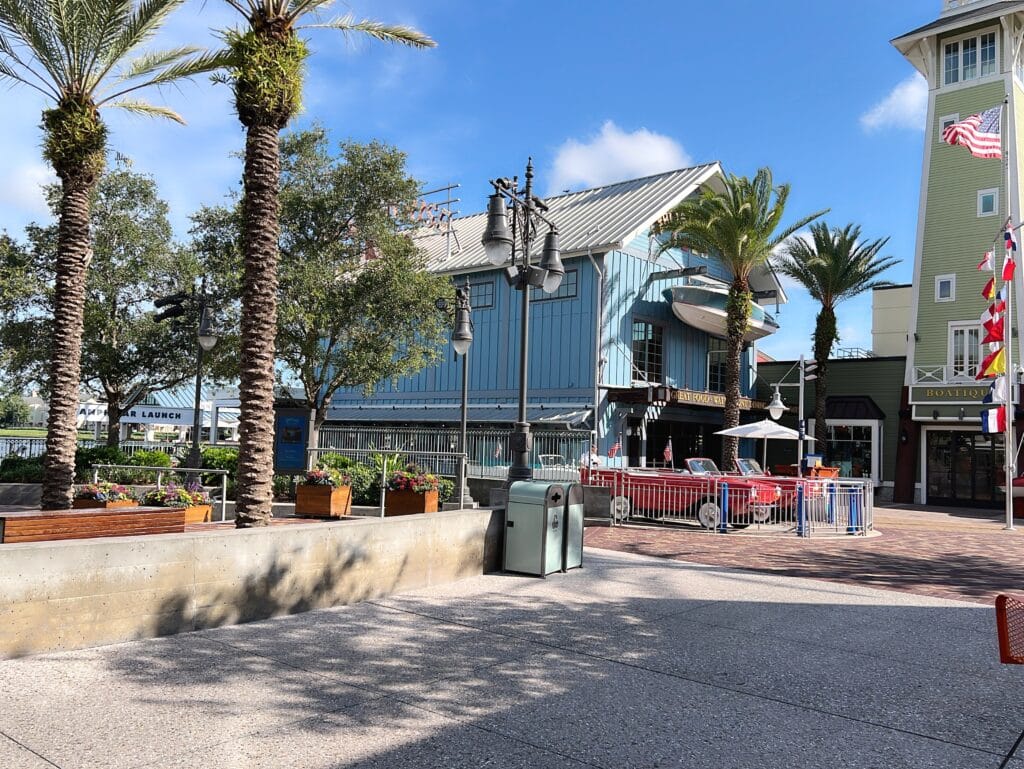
(948, 393)
(158, 415)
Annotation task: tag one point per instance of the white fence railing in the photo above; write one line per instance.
(945, 374)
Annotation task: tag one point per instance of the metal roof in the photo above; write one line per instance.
(599, 219)
(957, 20)
(555, 414)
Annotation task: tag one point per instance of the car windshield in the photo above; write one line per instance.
(702, 467)
(749, 467)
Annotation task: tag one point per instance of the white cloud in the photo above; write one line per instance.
(23, 189)
(614, 155)
(906, 106)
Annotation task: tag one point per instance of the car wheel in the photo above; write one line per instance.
(761, 513)
(709, 514)
(621, 508)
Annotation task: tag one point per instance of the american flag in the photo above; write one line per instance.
(978, 133)
(616, 448)
(667, 453)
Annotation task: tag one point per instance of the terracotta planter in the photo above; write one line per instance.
(410, 502)
(323, 501)
(199, 514)
(89, 504)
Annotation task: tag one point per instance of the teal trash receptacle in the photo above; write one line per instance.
(534, 528)
(572, 549)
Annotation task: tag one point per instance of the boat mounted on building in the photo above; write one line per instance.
(704, 307)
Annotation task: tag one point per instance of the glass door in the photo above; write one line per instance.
(964, 468)
(964, 351)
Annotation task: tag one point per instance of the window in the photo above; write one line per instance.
(567, 290)
(988, 202)
(481, 295)
(969, 58)
(716, 364)
(647, 352)
(945, 122)
(964, 349)
(945, 288)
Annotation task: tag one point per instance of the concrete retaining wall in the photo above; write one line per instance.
(75, 594)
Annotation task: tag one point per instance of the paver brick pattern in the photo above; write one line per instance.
(946, 554)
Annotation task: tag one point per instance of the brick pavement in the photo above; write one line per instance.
(935, 553)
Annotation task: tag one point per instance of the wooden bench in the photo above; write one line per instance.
(42, 525)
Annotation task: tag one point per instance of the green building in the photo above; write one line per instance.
(973, 61)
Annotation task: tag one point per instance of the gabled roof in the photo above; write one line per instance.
(956, 20)
(600, 219)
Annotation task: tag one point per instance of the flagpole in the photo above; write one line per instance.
(1010, 409)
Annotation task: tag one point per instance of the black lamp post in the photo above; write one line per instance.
(504, 244)
(462, 339)
(206, 336)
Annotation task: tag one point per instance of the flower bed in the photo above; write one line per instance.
(410, 491)
(325, 493)
(104, 494)
(193, 498)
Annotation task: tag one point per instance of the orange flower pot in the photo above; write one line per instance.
(323, 501)
(90, 504)
(199, 514)
(410, 502)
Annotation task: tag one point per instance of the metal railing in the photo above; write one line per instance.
(487, 450)
(945, 374)
(176, 470)
(804, 507)
(28, 448)
(446, 464)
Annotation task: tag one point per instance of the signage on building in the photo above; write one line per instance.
(158, 415)
(715, 400)
(967, 394)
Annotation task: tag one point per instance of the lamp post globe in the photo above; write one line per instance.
(497, 238)
(776, 408)
(551, 263)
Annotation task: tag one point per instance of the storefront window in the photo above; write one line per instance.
(850, 449)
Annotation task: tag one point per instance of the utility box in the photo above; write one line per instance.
(572, 548)
(534, 527)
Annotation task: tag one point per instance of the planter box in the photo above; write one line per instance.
(410, 502)
(93, 504)
(323, 501)
(199, 514)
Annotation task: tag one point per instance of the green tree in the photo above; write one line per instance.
(126, 355)
(13, 410)
(77, 54)
(741, 225)
(355, 304)
(266, 72)
(833, 266)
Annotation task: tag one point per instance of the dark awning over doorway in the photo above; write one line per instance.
(840, 407)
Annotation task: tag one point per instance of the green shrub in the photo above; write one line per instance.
(15, 469)
(284, 491)
(445, 491)
(152, 458)
(365, 491)
(220, 458)
(85, 458)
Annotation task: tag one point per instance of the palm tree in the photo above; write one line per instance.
(740, 225)
(266, 72)
(76, 54)
(833, 266)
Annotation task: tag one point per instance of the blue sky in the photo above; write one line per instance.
(596, 92)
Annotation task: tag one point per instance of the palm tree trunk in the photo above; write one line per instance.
(738, 317)
(825, 334)
(260, 229)
(74, 252)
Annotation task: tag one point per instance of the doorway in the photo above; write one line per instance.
(964, 468)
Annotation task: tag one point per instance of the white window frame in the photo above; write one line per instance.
(994, 192)
(951, 277)
(877, 426)
(947, 120)
(958, 325)
(959, 42)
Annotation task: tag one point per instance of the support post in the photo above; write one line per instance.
(723, 524)
(801, 513)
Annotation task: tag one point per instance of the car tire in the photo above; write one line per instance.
(709, 514)
(760, 514)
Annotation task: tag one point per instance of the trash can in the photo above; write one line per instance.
(534, 527)
(572, 550)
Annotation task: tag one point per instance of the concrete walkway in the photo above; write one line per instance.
(631, 662)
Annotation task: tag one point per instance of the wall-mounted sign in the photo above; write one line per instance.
(965, 394)
(291, 437)
(716, 400)
(158, 415)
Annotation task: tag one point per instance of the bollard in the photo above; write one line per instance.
(854, 512)
(723, 524)
(801, 513)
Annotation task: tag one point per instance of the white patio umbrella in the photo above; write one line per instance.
(767, 430)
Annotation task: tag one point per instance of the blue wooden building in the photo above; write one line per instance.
(609, 350)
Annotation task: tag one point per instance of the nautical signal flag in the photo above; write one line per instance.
(993, 332)
(997, 392)
(994, 363)
(1011, 244)
(615, 449)
(1009, 265)
(987, 263)
(978, 133)
(993, 420)
(667, 453)
(989, 292)
(1000, 303)
(990, 316)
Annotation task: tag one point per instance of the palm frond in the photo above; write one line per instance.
(31, 25)
(125, 33)
(147, 109)
(180, 69)
(151, 61)
(388, 33)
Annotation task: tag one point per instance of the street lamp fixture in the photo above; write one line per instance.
(776, 408)
(502, 244)
(462, 333)
(207, 333)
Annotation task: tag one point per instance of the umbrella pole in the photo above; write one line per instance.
(764, 453)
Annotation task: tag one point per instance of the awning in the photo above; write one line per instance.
(539, 415)
(842, 407)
